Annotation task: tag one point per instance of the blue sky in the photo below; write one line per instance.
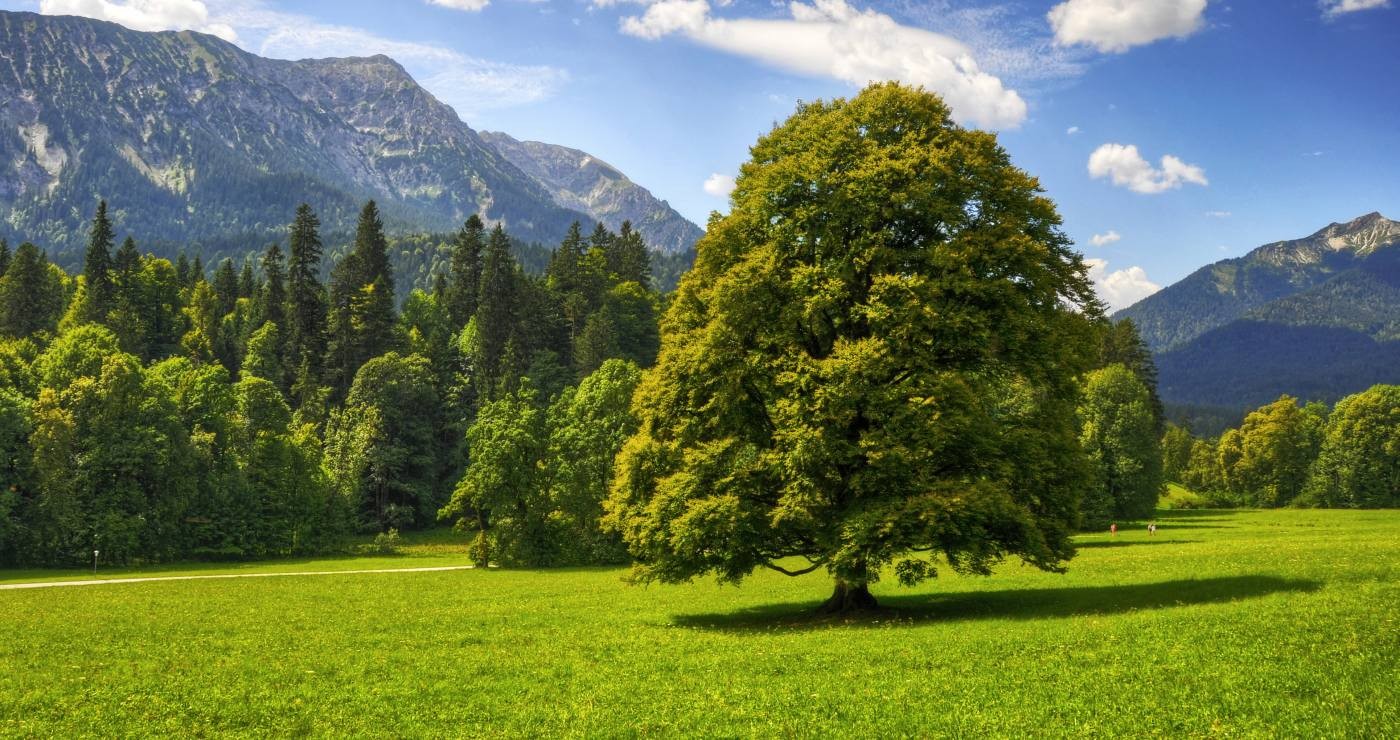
(1177, 132)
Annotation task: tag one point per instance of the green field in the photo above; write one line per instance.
(1281, 623)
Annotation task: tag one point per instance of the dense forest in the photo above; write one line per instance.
(152, 410)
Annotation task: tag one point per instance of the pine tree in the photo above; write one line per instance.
(496, 312)
(97, 266)
(567, 261)
(226, 287)
(306, 298)
(361, 319)
(272, 295)
(247, 282)
(629, 259)
(183, 273)
(465, 274)
(4, 256)
(197, 271)
(30, 298)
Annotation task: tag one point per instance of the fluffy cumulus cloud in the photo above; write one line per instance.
(468, 5)
(1334, 8)
(830, 38)
(719, 185)
(1120, 288)
(1126, 168)
(145, 15)
(1114, 26)
(1103, 240)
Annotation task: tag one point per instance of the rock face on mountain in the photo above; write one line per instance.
(582, 182)
(1317, 318)
(190, 138)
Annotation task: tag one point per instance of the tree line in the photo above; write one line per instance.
(152, 410)
(1288, 453)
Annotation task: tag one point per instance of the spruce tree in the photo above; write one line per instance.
(183, 273)
(628, 258)
(4, 256)
(272, 296)
(496, 312)
(465, 275)
(30, 299)
(361, 316)
(247, 282)
(97, 266)
(567, 261)
(226, 287)
(306, 298)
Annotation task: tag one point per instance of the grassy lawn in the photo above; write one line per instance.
(1225, 624)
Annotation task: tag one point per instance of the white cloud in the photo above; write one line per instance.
(719, 185)
(468, 5)
(1072, 130)
(1100, 240)
(1334, 8)
(1218, 214)
(1120, 288)
(829, 38)
(144, 15)
(1128, 169)
(1114, 26)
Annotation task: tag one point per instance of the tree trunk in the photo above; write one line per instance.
(848, 598)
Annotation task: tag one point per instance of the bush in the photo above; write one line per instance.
(386, 543)
(1177, 497)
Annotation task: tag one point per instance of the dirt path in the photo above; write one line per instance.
(101, 581)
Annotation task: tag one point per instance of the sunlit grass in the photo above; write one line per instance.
(1226, 623)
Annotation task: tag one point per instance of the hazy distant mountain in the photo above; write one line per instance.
(1317, 318)
(190, 138)
(581, 181)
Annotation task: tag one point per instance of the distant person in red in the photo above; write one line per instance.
(1113, 529)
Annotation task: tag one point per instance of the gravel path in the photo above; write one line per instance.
(101, 581)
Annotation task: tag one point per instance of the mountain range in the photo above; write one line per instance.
(1317, 318)
(193, 139)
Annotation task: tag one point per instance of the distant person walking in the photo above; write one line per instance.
(1113, 529)
(1152, 529)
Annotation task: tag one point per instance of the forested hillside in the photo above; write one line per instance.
(1317, 318)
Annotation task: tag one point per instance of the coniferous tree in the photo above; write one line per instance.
(1122, 344)
(272, 296)
(629, 259)
(97, 267)
(465, 272)
(247, 282)
(183, 272)
(361, 321)
(4, 256)
(306, 299)
(495, 312)
(30, 297)
(197, 271)
(226, 287)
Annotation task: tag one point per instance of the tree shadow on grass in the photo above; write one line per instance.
(1097, 544)
(1019, 604)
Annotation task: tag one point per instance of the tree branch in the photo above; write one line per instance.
(802, 572)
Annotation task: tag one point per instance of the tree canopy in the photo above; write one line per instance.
(876, 355)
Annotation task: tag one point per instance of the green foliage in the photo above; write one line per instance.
(381, 446)
(841, 380)
(501, 495)
(1277, 444)
(1358, 465)
(587, 427)
(1119, 435)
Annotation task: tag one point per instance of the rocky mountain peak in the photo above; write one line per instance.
(1361, 236)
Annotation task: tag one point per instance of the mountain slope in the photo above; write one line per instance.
(1228, 290)
(582, 182)
(1316, 318)
(192, 138)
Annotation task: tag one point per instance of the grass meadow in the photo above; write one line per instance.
(1226, 624)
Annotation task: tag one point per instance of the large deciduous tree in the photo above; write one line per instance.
(1359, 464)
(875, 357)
